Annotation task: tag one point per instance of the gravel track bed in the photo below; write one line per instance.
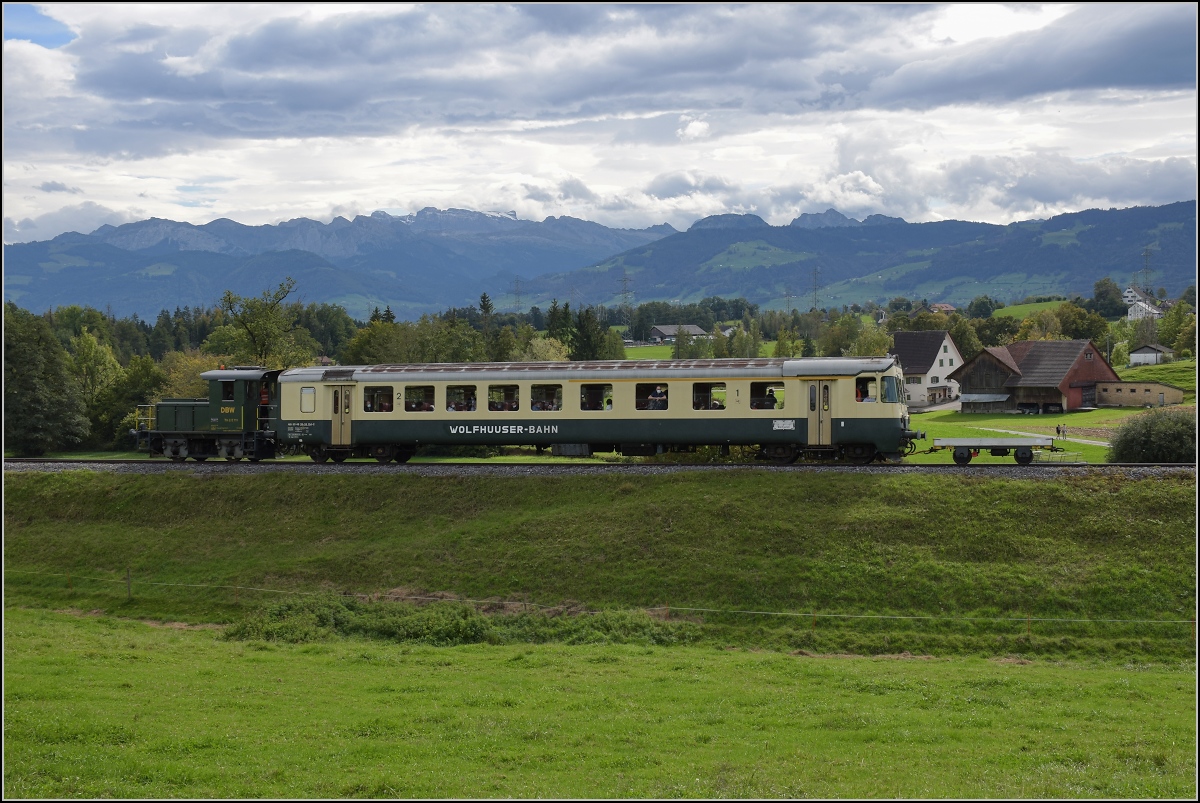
(558, 470)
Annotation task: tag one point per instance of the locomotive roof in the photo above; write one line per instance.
(595, 369)
(255, 373)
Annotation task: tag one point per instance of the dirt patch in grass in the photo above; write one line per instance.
(903, 656)
(147, 622)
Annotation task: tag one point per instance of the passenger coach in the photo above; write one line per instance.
(822, 407)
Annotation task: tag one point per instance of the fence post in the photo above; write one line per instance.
(128, 583)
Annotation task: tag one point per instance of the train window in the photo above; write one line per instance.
(226, 391)
(708, 396)
(812, 398)
(825, 398)
(308, 400)
(418, 399)
(504, 398)
(651, 396)
(766, 395)
(865, 389)
(891, 390)
(545, 397)
(595, 397)
(377, 399)
(460, 398)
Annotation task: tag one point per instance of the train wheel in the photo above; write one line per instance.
(783, 455)
(962, 455)
(199, 459)
(176, 458)
(319, 456)
(404, 455)
(233, 459)
(338, 457)
(860, 455)
(1024, 455)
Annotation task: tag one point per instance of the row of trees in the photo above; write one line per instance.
(74, 375)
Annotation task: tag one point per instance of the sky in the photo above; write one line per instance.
(628, 115)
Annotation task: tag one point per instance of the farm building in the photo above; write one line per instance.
(1137, 394)
(927, 358)
(1151, 354)
(666, 333)
(1033, 376)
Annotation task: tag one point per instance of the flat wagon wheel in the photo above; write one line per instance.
(962, 455)
(1023, 455)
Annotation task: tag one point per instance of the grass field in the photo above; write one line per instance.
(316, 694)
(1023, 311)
(101, 707)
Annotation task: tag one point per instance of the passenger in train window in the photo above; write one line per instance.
(770, 402)
(658, 398)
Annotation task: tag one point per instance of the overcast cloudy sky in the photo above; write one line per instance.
(626, 115)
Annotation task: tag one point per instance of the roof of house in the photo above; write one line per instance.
(1044, 363)
(1153, 347)
(672, 330)
(918, 350)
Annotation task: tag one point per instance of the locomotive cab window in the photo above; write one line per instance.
(460, 398)
(651, 395)
(504, 398)
(890, 390)
(866, 389)
(708, 396)
(377, 399)
(308, 400)
(418, 399)
(766, 395)
(226, 391)
(545, 398)
(595, 397)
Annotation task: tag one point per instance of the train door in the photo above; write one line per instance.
(819, 413)
(342, 406)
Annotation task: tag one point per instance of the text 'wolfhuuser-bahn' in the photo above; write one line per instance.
(836, 408)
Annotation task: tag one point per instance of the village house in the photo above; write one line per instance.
(1033, 376)
(927, 358)
(666, 333)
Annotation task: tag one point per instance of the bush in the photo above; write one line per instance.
(1159, 436)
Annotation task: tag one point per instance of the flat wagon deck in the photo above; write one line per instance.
(1021, 449)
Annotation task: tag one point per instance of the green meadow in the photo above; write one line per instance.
(739, 633)
(101, 707)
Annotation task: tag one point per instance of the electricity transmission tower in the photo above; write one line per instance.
(816, 287)
(517, 294)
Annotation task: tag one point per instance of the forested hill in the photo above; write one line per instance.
(438, 259)
(881, 258)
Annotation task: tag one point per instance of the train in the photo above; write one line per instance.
(819, 408)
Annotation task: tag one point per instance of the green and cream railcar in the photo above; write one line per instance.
(843, 408)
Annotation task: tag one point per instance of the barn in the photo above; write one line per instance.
(1033, 376)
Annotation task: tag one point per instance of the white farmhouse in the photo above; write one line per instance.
(927, 358)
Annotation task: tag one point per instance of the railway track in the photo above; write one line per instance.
(552, 469)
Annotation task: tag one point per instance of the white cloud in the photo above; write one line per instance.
(628, 115)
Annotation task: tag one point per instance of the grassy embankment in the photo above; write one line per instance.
(834, 545)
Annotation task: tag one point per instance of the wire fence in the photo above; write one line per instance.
(665, 610)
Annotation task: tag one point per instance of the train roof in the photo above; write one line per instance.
(595, 369)
(255, 373)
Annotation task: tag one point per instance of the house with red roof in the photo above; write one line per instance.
(1033, 376)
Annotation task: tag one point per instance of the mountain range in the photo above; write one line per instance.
(436, 259)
